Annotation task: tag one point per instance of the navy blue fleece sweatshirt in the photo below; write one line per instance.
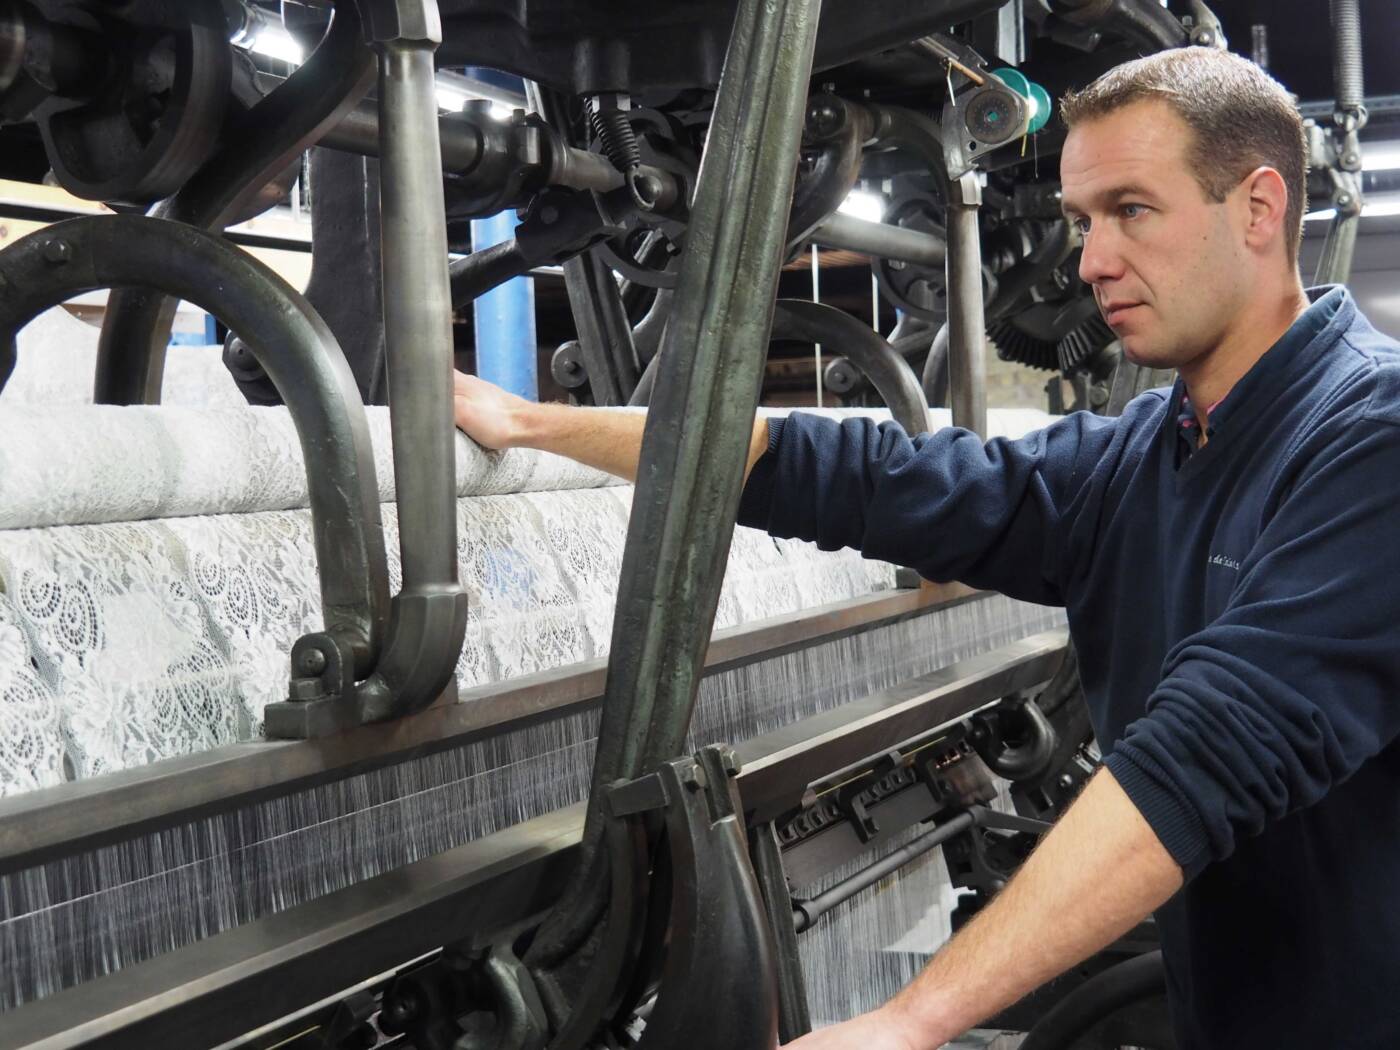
(1237, 617)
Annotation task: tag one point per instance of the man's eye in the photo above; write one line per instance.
(1131, 211)
(1082, 225)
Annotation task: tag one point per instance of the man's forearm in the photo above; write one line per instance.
(609, 441)
(1098, 873)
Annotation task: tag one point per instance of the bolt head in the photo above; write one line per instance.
(693, 777)
(549, 214)
(312, 662)
(58, 251)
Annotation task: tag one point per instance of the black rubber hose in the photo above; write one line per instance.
(1128, 982)
(1346, 54)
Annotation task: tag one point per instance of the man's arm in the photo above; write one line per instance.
(609, 441)
(1098, 873)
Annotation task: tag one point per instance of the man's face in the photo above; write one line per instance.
(1167, 265)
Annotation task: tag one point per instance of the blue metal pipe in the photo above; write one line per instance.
(506, 351)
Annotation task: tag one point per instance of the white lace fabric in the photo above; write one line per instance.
(156, 566)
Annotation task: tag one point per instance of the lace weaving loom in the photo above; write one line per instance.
(156, 566)
(321, 728)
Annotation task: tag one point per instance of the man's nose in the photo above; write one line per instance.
(1102, 258)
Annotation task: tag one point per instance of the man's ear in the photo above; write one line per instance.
(1266, 198)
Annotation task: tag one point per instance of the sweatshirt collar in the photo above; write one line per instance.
(1331, 312)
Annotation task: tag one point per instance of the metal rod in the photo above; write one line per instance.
(805, 913)
(462, 145)
(418, 316)
(794, 1015)
(692, 459)
(604, 331)
(816, 301)
(967, 358)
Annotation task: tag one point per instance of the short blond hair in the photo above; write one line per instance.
(1240, 118)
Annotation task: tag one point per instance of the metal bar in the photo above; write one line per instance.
(880, 239)
(236, 981)
(891, 375)
(1339, 249)
(794, 1016)
(779, 768)
(68, 818)
(697, 434)
(418, 316)
(967, 357)
(461, 145)
(136, 326)
(604, 332)
(805, 913)
(429, 615)
(484, 269)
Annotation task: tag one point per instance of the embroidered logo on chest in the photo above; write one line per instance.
(1229, 563)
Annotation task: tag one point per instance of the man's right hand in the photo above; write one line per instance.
(608, 440)
(487, 414)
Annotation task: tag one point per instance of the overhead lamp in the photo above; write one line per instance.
(276, 42)
(862, 204)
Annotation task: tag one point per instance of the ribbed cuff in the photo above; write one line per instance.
(1162, 805)
(756, 501)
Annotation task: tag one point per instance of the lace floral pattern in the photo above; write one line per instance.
(122, 643)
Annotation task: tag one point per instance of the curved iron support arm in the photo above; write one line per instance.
(839, 131)
(887, 371)
(289, 339)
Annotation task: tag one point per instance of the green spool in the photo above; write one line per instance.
(1032, 92)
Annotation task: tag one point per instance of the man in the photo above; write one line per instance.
(1227, 552)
